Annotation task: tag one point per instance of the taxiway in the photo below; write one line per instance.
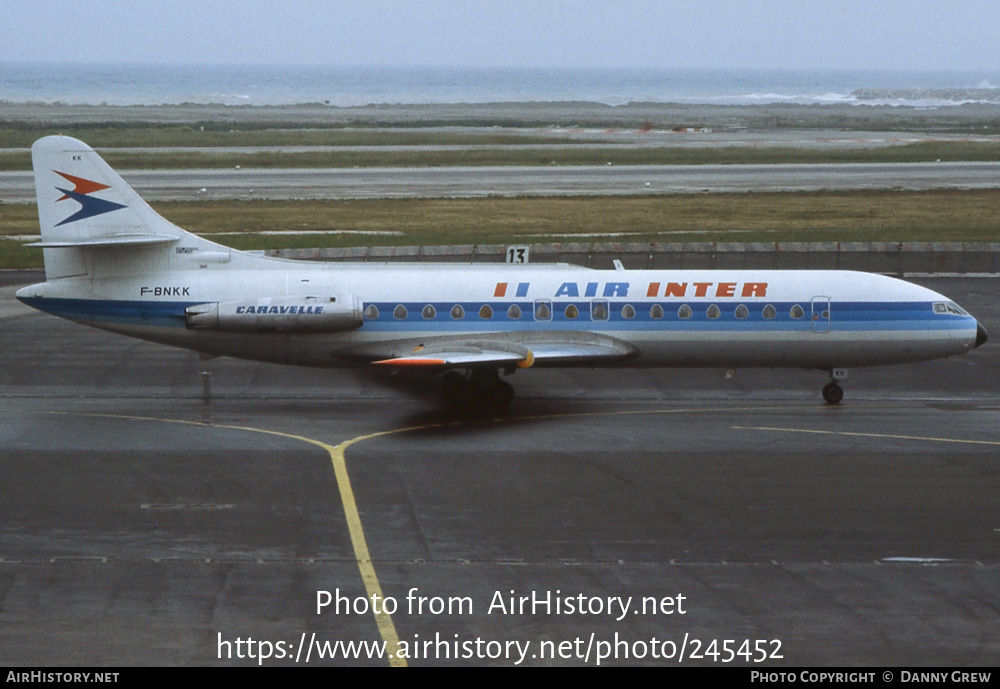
(142, 526)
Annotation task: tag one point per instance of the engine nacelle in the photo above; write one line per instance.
(277, 314)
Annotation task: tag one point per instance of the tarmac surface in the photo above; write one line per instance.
(456, 182)
(142, 526)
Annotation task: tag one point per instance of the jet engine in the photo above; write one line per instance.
(277, 314)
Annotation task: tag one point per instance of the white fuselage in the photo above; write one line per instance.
(810, 319)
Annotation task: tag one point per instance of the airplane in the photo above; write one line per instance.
(112, 262)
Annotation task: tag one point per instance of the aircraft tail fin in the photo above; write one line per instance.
(89, 215)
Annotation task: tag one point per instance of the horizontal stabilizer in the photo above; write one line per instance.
(110, 241)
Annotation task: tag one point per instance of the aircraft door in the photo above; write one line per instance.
(820, 314)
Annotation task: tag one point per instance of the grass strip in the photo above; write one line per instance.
(853, 216)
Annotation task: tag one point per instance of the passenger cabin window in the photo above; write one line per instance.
(769, 311)
(399, 312)
(571, 312)
(628, 311)
(742, 311)
(371, 313)
(684, 312)
(656, 311)
(514, 312)
(713, 311)
(543, 310)
(599, 310)
(796, 312)
(457, 312)
(486, 312)
(429, 312)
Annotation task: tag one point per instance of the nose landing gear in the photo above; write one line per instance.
(832, 392)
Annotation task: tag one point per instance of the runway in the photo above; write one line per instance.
(311, 183)
(142, 526)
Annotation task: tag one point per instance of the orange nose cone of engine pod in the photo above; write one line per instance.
(527, 361)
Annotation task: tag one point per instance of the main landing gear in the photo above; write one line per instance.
(832, 392)
(478, 388)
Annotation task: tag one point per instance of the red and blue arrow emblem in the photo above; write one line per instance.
(81, 193)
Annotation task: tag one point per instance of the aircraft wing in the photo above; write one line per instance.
(520, 349)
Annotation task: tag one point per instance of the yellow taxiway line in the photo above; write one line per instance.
(362, 555)
(858, 434)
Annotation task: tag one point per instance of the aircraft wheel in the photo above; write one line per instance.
(488, 391)
(833, 393)
(500, 394)
(457, 390)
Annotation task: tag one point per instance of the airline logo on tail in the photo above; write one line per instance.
(90, 205)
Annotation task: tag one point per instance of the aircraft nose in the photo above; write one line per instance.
(981, 335)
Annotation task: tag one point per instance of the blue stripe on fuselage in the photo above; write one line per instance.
(99, 311)
(845, 316)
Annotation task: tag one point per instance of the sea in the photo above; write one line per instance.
(138, 84)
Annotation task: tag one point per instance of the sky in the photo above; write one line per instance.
(765, 34)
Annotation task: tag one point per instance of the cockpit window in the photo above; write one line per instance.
(949, 307)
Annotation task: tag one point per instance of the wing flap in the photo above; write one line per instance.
(464, 356)
(551, 352)
(521, 349)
